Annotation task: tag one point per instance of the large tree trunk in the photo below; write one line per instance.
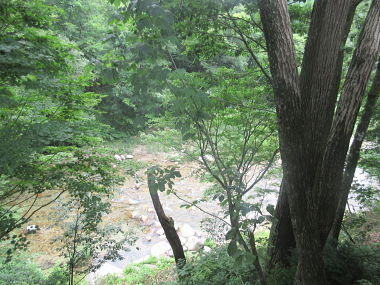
(282, 238)
(353, 156)
(314, 145)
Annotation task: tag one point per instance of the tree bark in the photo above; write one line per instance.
(167, 224)
(354, 153)
(313, 142)
(363, 61)
(282, 239)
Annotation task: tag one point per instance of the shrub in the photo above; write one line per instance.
(216, 267)
(350, 263)
(20, 271)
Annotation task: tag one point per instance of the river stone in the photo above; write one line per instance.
(31, 228)
(160, 231)
(122, 157)
(148, 238)
(160, 248)
(183, 240)
(128, 156)
(186, 231)
(117, 157)
(207, 157)
(144, 218)
(108, 269)
(206, 249)
(194, 243)
(132, 202)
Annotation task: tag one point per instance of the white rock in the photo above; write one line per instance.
(162, 237)
(134, 215)
(194, 243)
(31, 228)
(160, 232)
(144, 218)
(132, 202)
(160, 248)
(157, 225)
(122, 157)
(108, 269)
(128, 156)
(186, 231)
(150, 210)
(208, 158)
(117, 157)
(148, 238)
(206, 249)
(183, 240)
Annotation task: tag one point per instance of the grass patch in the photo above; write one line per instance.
(151, 271)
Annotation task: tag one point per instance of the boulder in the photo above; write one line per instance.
(187, 231)
(108, 269)
(31, 228)
(183, 240)
(132, 202)
(160, 248)
(160, 231)
(194, 243)
(206, 249)
(144, 218)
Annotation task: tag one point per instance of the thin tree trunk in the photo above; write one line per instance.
(167, 224)
(353, 156)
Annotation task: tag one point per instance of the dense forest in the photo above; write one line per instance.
(249, 91)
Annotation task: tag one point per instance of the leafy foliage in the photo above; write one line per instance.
(85, 243)
(216, 267)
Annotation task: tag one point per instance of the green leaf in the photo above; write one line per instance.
(249, 256)
(161, 186)
(238, 262)
(232, 247)
(270, 209)
(230, 234)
